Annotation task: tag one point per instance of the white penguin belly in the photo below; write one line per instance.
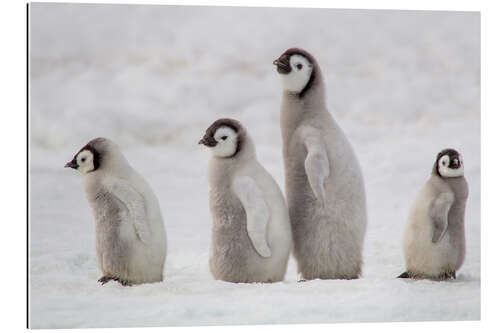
(279, 232)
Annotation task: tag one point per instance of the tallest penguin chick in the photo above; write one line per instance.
(324, 184)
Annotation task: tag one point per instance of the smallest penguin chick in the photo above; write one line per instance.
(434, 241)
(130, 235)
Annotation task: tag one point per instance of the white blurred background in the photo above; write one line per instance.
(402, 84)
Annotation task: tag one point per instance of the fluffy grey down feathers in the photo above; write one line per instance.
(434, 240)
(233, 256)
(131, 241)
(328, 233)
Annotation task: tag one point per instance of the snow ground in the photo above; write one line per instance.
(403, 85)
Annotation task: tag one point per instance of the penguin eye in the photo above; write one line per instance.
(224, 137)
(443, 163)
(299, 66)
(84, 159)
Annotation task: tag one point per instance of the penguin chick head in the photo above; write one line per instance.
(449, 164)
(223, 137)
(89, 157)
(297, 70)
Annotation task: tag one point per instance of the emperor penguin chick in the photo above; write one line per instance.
(434, 240)
(131, 241)
(251, 232)
(324, 184)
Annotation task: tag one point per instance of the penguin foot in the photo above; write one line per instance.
(105, 279)
(448, 276)
(124, 283)
(404, 275)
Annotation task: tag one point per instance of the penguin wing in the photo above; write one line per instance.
(316, 165)
(257, 212)
(136, 206)
(438, 213)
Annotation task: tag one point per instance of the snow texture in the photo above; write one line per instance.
(402, 84)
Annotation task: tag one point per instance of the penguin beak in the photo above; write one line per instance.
(72, 164)
(208, 141)
(283, 65)
(455, 164)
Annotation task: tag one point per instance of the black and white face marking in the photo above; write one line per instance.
(224, 142)
(83, 162)
(450, 164)
(87, 159)
(223, 137)
(227, 142)
(295, 72)
(296, 69)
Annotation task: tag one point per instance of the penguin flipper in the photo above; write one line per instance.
(404, 275)
(439, 214)
(124, 192)
(257, 212)
(316, 164)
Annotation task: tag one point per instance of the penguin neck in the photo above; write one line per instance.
(458, 185)
(222, 169)
(296, 108)
(113, 164)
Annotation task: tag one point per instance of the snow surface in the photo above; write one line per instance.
(403, 85)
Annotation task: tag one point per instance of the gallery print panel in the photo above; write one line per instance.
(240, 165)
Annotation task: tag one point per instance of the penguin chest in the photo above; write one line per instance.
(114, 233)
(294, 154)
(231, 247)
(297, 185)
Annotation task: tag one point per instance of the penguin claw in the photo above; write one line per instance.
(447, 276)
(105, 279)
(300, 278)
(124, 283)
